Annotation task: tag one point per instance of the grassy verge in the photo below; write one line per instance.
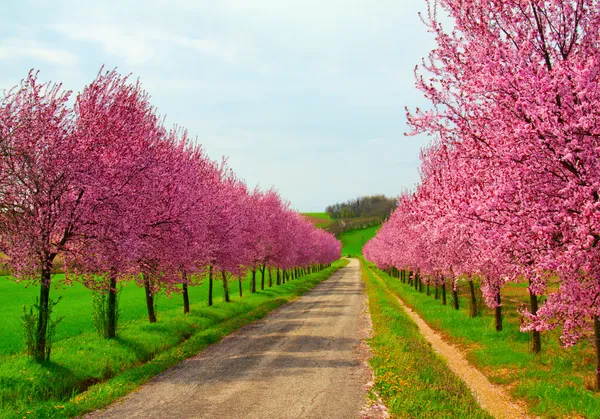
(87, 372)
(553, 384)
(411, 379)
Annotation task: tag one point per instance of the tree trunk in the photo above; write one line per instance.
(428, 281)
(473, 310)
(262, 280)
(149, 299)
(43, 315)
(240, 285)
(278, 277)
(597, 339)
(210, 286)
(536, 339)
(270, 277)
(455, 296)
(253, 283)
(444, 292)
(111, 330)
(186, 296)
(225, 287)
(437, 292)
(498, 313)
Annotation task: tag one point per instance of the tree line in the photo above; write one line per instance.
(510, 187)
(100, 182)
(378, 206)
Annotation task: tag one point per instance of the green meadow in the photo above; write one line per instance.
(354, 240)
(87, 372)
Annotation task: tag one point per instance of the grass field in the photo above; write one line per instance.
(321, 215)
(318, 219)
(86, 372)
(555, 383)
(76, 306)
(410, 378)
(353, 241)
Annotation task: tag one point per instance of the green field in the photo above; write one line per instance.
(76, 306)
(558, 382)
(353, 241)
(410, 378)
(321, 215)
(87, 372)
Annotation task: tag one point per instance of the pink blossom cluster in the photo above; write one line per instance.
(101, 182)
(510, 186)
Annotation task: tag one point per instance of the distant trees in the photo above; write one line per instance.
(366, 206)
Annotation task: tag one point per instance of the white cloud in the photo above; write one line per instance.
(143, 45)
(12, 48)
(279, 86)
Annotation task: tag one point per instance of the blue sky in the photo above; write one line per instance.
(306, 96)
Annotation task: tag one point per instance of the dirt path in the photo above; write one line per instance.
(491, 397)
(301, 361)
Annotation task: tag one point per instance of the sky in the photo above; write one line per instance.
(306, 96)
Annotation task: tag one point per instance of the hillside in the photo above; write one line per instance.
(354, 240)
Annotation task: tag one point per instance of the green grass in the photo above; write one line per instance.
(353, 241)
(321, 215)
(86, 372)
(553, 384)
(410, 378)
(76, 306)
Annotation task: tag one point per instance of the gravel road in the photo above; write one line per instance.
(301, 361)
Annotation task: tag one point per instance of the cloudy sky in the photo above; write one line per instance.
(306, 96)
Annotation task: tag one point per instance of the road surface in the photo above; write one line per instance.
(301, 361)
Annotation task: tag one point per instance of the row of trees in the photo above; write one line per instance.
(510, 188)
(101, 183)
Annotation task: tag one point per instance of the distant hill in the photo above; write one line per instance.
(354, 240)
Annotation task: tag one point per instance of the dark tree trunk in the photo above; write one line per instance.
(270, 277)
(455, 296)
(210, 286)
(253, 283)
(225, 287)
(186, 296)
(473, 310)
(498, 313)
(278, 280)
(536, 339)
(597, 339)
(44, 313)
(240, 285)
(149, 299)
(428, 281)
(443, 292)
(111, 331)
(262, 280)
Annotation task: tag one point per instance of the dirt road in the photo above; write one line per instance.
(301, 361)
